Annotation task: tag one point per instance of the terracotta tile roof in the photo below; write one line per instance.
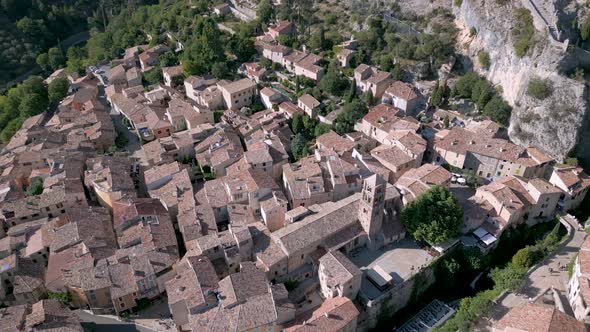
(332, 140)
(282, 27)
(402, 90)
(309, 101)
(418, 180)
(333, 315)
(388, 118)
(461, 140)
(316, 228)
(172, 71)
(339, 267)
(574, 178)
(538, 318)
(290, 108)
(391, 155)
(239, 85)
(51, 315)
(13, 318)
(194, 283)
(543, 186)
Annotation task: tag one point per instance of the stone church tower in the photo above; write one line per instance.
(371, 206)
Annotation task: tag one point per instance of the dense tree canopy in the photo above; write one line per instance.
(28, 98)
(30, 28)
(205, 50)
(353, 112)
(334, 82)
(487, 99)
(435, 216)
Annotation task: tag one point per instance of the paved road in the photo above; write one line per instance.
(93, 323)
(540, 278)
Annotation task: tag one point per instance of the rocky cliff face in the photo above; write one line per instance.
(556, 124)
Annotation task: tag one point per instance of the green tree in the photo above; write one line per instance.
(321, 129)
(525, 258)
(32, 104)
(58, 89)
(36, 187)
(333, 82)
(524, 32)
(464, 85)
(297, 123)
(154, 76)
(220, 69)
(508, 278)
(242, 47)
(318, 40)
(447, 271)
(398, 73)
(353, 112)
(481, 93)
(299, 146)
(205, 50)
(434, 216)
(43, 61)
(437, 95)
(265, 11)
(446, 122)
(76, 57)
(370, 100)
(10, 129)
(498, 110)
(64, 297)
(351, 92)
(56, 58)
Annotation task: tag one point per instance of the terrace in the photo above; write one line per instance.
(400, 261)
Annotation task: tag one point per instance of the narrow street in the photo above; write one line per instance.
(94, 323)
(133, 143)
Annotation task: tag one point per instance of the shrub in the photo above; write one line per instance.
(36, 187)
(63, 297)
(526, 258)
(484, 59)
(472, 31)
(523, 32)
(509, 278)
(538, 88)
